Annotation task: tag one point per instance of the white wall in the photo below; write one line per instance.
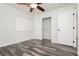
(23, 24)
(8, 33)
(37, 23)
(78, 29)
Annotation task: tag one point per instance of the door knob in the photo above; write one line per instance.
(58, 29)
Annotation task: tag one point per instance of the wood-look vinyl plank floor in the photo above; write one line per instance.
(35, 47)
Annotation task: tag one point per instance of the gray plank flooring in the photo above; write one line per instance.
(35, 47)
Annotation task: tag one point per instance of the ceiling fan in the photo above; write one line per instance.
(33, 6)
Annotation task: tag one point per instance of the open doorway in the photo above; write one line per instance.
(46, 30)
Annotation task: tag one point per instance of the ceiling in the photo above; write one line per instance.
(50, 6)
(46, 6)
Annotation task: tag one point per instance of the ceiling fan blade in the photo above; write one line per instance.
(39, 3)
(40, 8)
(23, 3)
(31, 9)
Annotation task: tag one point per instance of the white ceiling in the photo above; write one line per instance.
(51, 6)
(46, 6)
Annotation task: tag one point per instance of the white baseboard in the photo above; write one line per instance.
(12, 43)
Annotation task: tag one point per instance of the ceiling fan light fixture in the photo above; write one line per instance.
(33, 5)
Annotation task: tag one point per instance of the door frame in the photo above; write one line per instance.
(50, 26)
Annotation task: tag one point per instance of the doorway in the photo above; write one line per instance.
(46, 30)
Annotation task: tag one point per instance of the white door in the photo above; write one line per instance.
(65, 27)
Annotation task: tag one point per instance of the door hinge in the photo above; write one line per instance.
(73, 41)
(73, 27)
(73, 14)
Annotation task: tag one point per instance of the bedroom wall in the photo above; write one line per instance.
(8, 33)
(78, 29)
(37, 23)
